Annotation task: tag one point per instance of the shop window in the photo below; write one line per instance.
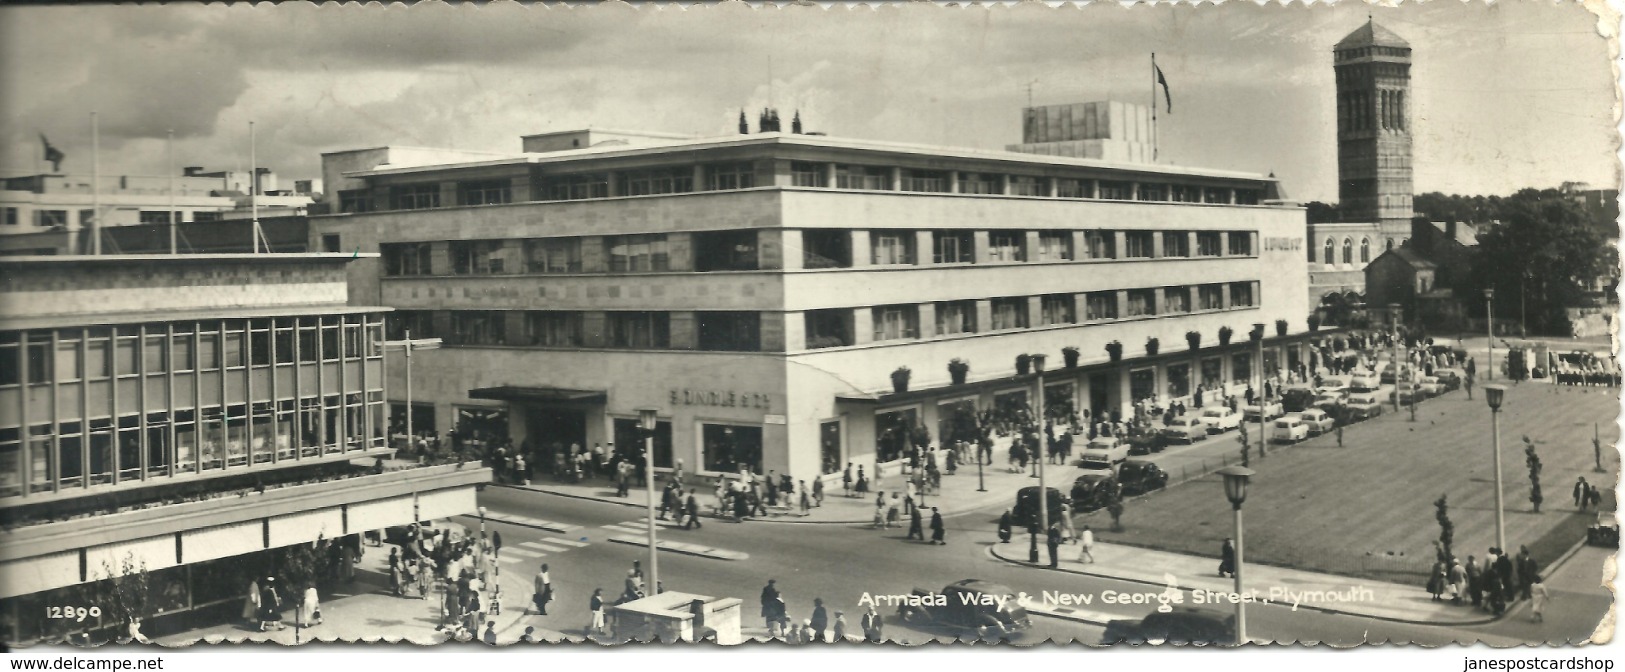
(629, 434)
(829, 448)
(1179, 380)
(1241, 367)
(731, 448)
(730, 331)
(485, 425)
(1212, 373)
(894, 431)
(1142, 384)
(830, 328)
(725, 251)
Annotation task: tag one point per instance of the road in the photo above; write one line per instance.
(840, 563)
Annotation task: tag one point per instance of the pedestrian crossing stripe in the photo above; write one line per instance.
(523, 553)
(626, 530)
(538, 546)
(566, 542)
(545, 546)
(516, 559)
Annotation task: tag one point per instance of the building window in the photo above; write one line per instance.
(397, 324)
(1115, 191)
(415, 197)
(1215, 195)
(1365, 250)
(1328, 255)
(1139, 244)
(1099, 245)
(477, 327)
(1176, 299)
(731, 448)
(862, 177)
(553, 255)
(1152, 192)
(629, 433)
(477, 257)
(896, 322)
(930, 181)
(201, 216)
(1022, 185)
(737, 331)
(826, 249)
(637, 253)
(1183, 193)
(979, 183)
(729, 176)
(1072, 189)
(483, 192)
(1101, 306)
(951, 247)
(1176, 244)
(641, 330)
(1241, 368)
(1210, 297)
(829, 448)
(1006, 246)
(1208, 244)
(355, 200)
(956, 317)
(1246, 197)
(157, 216)
(1348, 251)
(1241, 243)
(828, 328)
(725, 251)
(10, 216)
(1390, 246)
(1241, 295)
(405, 258)
(1009, 313)
(1057, 309)
(1054, 246)
(1141, 303)
(553, 328)
(576, 187)
(660, 181)
(806, 174)
(892, 248)
(51, 218)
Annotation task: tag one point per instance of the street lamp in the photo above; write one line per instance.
(1393, 319)
(1258, 354)
(409, 345)
(1043, 449)
(1494, 394)
(648, 420)
(1489, 315)
(481, 544)
(1235, 490)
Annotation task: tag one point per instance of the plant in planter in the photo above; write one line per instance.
(1070, 355)
(1024, 363)
(1038, 362)
(1224, 335)
(1114, 350)
(899, 379)
(1194, 338)
(1280, 327)
(957, 370)
(1151, 346)
(1314, 323)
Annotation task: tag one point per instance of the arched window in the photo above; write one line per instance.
(1390, 243)
(1330, 250)
(1348, 251)
(1365, 250)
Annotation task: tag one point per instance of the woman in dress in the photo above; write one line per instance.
(597, 606)
(251, 606)
(310, 608)
(1436, 581)
(270, 606)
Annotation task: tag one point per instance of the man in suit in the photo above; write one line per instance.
(770, 603)
(820, 620)
(937, 530)
(1527, 570)
(871, 624)
(1504, 574)
(692, 508)
(1053, 541)
(915, 528)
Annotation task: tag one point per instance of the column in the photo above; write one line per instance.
(1122, 305)
(1224, 244)
(770, 331)
(617, 183)
(1231, 195)
(896, 178)
(782, 175)
(863, 325)
(979, 251)
(1035, 311)
(829, 176)
(594, 258)
(1160, 296)
(680, 251)
(780, 249)
(699, 177)
(1224, 295)
(984, 315)
(1029, 245)
(513, 327)
(440, 258)
(953, 181)
(928, 320)
(1053, 187)
(1119, 245)
(1134, 193)
(863, 253)
(1190, 244)
(448, 194)
(1094, 188)
(1080, 245)
(1080, 307)
(685, 330)
(1004, 184)
(793, 330)
(924, 248)
(594, 329)
(1157, 249)
(519, 189)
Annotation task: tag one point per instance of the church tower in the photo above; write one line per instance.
(1374, 130)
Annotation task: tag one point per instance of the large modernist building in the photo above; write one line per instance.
(45, 202)
(187, 416)
(761, 290)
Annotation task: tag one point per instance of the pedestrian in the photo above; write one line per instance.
(806, 499)
(893, 510)
(1086, 544)
(1068, 532)
(1436, 580)
(542, 590)
(880, 516)
(819, 621)
(1475, 587)
(496, 544)
(270, 605)
(818, 492)
(937, 530)
(910, 496)
(1504, 569)
(840, 627)
(1227, 558)
(490, 633)
(251, 605)
(677, 474)
(1456, 578)
(310, 608)
(1539, 597)
(1004, 527)
(395, 571)
(1582, 493)
(1052, 539)
(846, 481)
(426, 567)
(771, 601)
(530, 635)
(1527, 571)
(665, 500)
(915, 528)
(871, 624)
(596, 625)
(693, 510)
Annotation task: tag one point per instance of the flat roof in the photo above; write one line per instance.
(616, 131)
(58, 321)
(819, 142)
(206, 258)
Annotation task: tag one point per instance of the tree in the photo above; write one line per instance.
(1246, 446)
(1321, 213)
(304, 564)
(1545, 242)
(1532, 461)
(1447, 529)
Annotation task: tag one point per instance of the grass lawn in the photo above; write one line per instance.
(1367, 509)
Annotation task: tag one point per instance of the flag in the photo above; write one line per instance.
(52, 154)
(1167, 98)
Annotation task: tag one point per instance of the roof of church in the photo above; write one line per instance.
(1372, 35)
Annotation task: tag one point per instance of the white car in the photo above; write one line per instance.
(1431, 386)
(1289, 429)
(1318, 421)
(1271, 410)
(1327, 401)
(1220, 418)
(1105, 452)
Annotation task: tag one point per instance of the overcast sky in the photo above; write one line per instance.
(1505, 96)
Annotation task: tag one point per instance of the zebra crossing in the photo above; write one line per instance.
(529, 551)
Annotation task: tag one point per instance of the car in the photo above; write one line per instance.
(1451, 378)
(1605, 532)
(1331, 401)
(1180, 625)
(1185, 428)
(1220, 418)
(1138, 477)
(1297, 397)
(1318, 421)
(1363, 405)
(1364, 384)
(1025, 512)
(991, 609)
(1270, 409)
(1288, 429)
(1406, 372)
(1338, 382)
(1407, 393)
(1145, 444)
(1095, 489)
(1431, 386)
(1104, 452)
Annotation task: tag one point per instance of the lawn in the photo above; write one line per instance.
(1367, 509)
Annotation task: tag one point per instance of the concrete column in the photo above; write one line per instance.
(953, 181)
(863, 253)
(1004, 184)
(594, 256)
(1094, 188)
(1122, 304)
(1080, 243)
(380, 199)
(1029, 246)
(771, 336)
(685, 330)
(896, 178)
(1224, 244)
(1190, 243)
(767, 172)
(1124, 402)
(1224, 295)
(1160, 300)
(1119, 245)
(794, 325)
(979, 251)
(1231, 196)
(984, 315)
(699, 177)
(829, 175)
(519, 189)
(594, 329)
(617, 183)
(1080, 307)
(440, 258)
(1134, 192)
(513, 323)
(1157, 250)
(448, 194)
(1035, 311)
(863, 325)
(782, 248)
(924, 248)
(1053, 187)
(680, 251)
(781, 176)
(928, 320)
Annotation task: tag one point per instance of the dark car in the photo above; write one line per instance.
(1182, 625)
(1026, 511)
(1145, 444)
(1141, 476)
(1297, 398)
(1094, 490)
(986, 607)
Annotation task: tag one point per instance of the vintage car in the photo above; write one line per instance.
(1185, 429)
(1182, 625)
(1025, 512)
(1329, 402)
(1431, 386)
(1364, 384)
(1288, 428)
(1407, 393)
(1297, 397)
(1363, 405)
(1095, 489)
(1451, 378)
(988, 608)
(1104, 452)
(1271, 409)
(1318, 421)
(1137, 477)
(1220, 418)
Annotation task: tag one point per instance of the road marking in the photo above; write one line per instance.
(517, 559)
(625, 530)
(538, 545)
(523, 553)
(566, 542)
(684, 548)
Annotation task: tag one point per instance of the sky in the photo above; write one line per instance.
(1515, 94)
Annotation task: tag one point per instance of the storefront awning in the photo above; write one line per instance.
(542, 394)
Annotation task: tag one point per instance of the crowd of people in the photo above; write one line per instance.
(1492, 584)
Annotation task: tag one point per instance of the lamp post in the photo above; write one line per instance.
(1043, 448)
(481, 544)
(1235, 490)
(1489, 315)
(1393, 352)
(1258, 354)
(1494, 394)
(408, 345)
(981, 484)
(648, 420)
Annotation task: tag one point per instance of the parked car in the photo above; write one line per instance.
(1407, 393)
(1025, 512)
(1330, 401)
(988, 608)
(1185, 429)
(1095, 489)
(1297, 397)
(1452, 378)
(1406, 372)
(1431, 386)
(1220, 418)
(1318, 421)
(1182, 625)
(1364, 405)
(1104, 452)
(1138, 477)
(1271, 409)
(1364, 384)
(1288, 429)
(1338, 382)
(1145, 444)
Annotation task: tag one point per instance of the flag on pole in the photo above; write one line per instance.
(52, 154)
(1166, 97)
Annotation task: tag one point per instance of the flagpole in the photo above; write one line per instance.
(95, 187)
(174, 217)
(253, 188)
(1153, 107)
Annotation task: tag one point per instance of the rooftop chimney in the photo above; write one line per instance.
(744, 126)
(795, 123)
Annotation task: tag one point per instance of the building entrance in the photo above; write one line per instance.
(552, 430)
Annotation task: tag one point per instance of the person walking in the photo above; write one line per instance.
(937, 530)
(893, 510)
(543, 590)
(1527, 571)
(251, 605)
(806, 499)
(270, 605)
(846, 481)
(819, 620)
(1539, 598)
(1086, 545)
(1456, 580)
(818, 492)
(310, 608)
(1582, 493)
(880, 516)
(871, 624)
(596, 604)
(1475, 587)
(839, 628)
(496, 544)
(1052, 539)
(1004, 527)
(692, 507)
(1068, 532)
(1227, 558)
(771, 602)
(1504, 570)
(915, 528)
(490, 633)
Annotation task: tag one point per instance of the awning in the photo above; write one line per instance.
(544, 394)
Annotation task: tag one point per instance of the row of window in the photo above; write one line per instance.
(1329, 256)
(30, 357)
(724, 331)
